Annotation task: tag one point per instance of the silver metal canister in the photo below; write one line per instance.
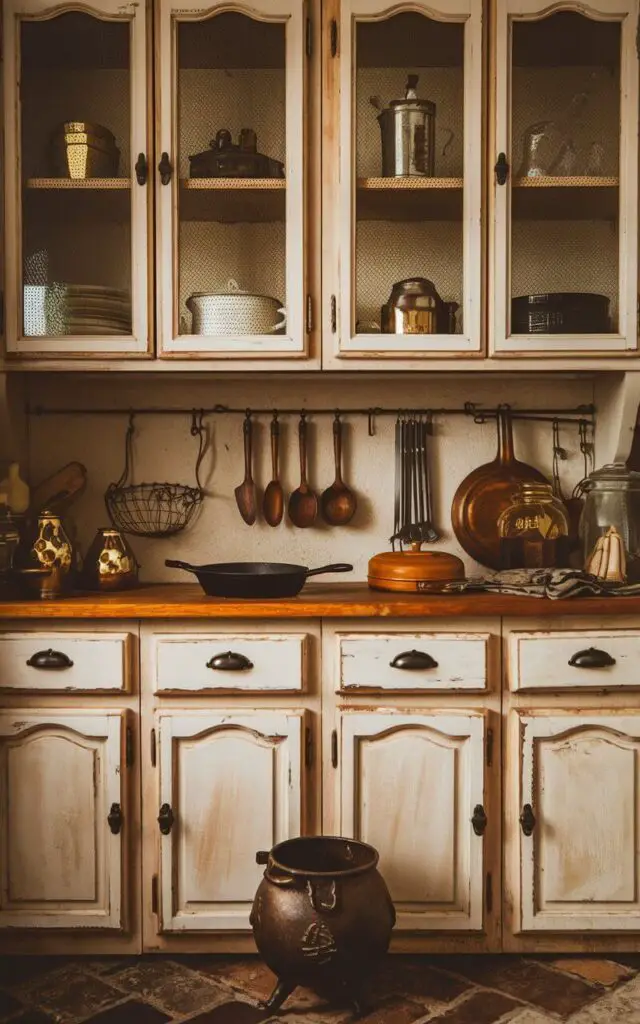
(408, 129)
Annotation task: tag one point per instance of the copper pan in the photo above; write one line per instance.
(485, 493)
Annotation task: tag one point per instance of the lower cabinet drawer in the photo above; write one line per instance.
(413, 661)
(229, 661)
(574, 659)
(57, 661)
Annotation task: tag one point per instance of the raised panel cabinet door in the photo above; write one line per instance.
(233, 93)
(77, 193)
(579, 812)
(230, 785)
(62, 819)
(403, 179)
(565, 239)
(410, 785)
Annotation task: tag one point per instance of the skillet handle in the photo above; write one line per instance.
(172, 563)
(337, 567)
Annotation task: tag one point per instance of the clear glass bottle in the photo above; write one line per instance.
(613, 499)
(534, 529)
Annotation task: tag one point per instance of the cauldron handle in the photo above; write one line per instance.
(316, 900)
(262, 857)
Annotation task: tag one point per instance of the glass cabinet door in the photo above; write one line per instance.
(231, 257)
(407, 219)
(76, 198)
(566, 178)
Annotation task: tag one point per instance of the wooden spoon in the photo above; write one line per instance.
(246, 491)
(338, 502)
(273, 500)
(303, 503)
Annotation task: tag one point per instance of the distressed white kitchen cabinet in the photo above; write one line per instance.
(230, 784)
(411, 784)
(574, 659)
(565, 171)
(574, 781)
(418, 662)
(63, 819)
(51, 661)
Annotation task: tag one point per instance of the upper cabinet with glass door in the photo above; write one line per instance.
(231, 231)
(76, 198)
(566, 178)
(407, 216)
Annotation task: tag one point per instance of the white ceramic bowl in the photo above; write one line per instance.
(235, 312)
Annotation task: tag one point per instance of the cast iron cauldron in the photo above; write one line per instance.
(322, 916)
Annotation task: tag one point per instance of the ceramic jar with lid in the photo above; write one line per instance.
(613, 500)
(110, 564)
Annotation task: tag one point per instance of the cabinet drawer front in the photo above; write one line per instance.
(230, 661)
(414, 661)
(574, 659)
(55, 662)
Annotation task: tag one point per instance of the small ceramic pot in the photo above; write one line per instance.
(52, 550)
(110, 564)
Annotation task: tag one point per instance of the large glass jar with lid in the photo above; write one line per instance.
(613, 499)
(534, 529)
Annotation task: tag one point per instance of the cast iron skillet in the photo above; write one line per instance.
(254, 579)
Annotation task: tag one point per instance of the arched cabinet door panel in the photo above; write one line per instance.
(63, 819)
(230, 785)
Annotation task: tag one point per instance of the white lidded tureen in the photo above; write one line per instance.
(235, 312)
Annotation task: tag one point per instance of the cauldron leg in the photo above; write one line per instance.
(281, 992)
(358, 1000)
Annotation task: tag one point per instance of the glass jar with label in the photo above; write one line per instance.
(534, 529)
(613, 499)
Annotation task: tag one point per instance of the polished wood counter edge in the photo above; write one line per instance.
(319, 600)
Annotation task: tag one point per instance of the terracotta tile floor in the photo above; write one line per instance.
(406, 990)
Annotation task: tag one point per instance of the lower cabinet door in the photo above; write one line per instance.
(230, 785)
(410, 784)
(62, 819)
(579, 821)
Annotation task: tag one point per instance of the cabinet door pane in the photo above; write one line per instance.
(233, 210)
(76, 215)
(409, 786)
(579, 866)
(234, 786)
(60, 862)
(410, 167)
(566, 216)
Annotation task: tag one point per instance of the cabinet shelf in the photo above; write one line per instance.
(73, 199)
(565, 198)
(409, 199)
(233, 200)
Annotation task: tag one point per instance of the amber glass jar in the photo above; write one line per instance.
(534, 529)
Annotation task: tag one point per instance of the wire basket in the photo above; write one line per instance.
(154, 509)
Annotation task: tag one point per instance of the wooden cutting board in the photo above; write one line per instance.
(58, 490)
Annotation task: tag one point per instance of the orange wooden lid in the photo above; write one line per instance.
(416, 565)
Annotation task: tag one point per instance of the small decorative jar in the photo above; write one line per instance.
(110, 564)
(534, 529)
(52, 550)
(613, 500)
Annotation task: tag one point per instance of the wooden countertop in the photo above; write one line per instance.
(317, 600)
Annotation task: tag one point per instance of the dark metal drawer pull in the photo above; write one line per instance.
(479, 820)
(50, 659)
(165, 169)
(166, 819)
(527, 820)
(412, 660)
(229, 661)
(592, 657)
(115, 818)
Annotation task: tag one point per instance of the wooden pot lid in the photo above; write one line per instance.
(414, 566)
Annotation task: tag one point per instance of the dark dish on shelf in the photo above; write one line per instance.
(560, 313)
(254, 579)
(226, 159)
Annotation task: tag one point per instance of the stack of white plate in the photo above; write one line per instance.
(96, 309)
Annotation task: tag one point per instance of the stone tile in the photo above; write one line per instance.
(8, 1005)
(620, 1006)
(599, 972)
(15, 970)
(479, 1008)
(631, 960)
(131, 1012)
(415, 977)
(32, 1017)
(107, 965)
(401, 1011)
(250, 976)
(70, 995)
(174, 987)
(527, 980)
(529, 1016)
(231, 1013)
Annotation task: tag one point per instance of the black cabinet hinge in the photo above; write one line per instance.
(128, 747)
(333, 35)
(334, 315)
(309, 38)
(334, 748)
(153, 748)
(308, 747)
(154, 894)
(489, 748)
(488, 892)
(309, 323)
